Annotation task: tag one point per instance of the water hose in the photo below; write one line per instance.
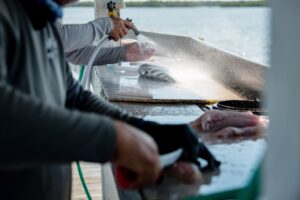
(81, 72)
(85, 82)
(84, 78)
(82, 180)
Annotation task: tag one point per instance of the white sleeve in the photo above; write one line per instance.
(77, 36)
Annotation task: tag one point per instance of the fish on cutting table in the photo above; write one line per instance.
(155, 72)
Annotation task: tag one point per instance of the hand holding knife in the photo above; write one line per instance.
(174, 142)
(125, 177)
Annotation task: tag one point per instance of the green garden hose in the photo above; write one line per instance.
(84, 185)
(81, 72)
(82, 180)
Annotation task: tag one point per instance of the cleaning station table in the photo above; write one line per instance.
(122, 85)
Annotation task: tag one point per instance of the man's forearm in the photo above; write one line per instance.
(106, 55)
(86, 101)
(32, 131)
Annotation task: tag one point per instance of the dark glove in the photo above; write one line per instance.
(172, 137)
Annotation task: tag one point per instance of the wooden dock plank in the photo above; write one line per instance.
(92, 175)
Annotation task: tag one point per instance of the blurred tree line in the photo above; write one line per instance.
(159, 3)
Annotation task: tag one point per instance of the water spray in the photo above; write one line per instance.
(143, 41)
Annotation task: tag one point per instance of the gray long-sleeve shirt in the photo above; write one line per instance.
(78, 42)
(46, 119)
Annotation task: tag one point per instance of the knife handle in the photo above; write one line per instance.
(125, 177)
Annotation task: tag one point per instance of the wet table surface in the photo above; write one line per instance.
(239, 159)
(123, 83)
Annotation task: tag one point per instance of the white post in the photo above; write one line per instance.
(120, 4)
(283, 97)
(100, 8)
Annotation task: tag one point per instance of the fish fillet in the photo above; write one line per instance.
(155, 72)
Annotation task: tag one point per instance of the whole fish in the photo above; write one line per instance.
(155, 72)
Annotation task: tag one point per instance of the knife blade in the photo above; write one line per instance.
(169, 159)
(125, 177)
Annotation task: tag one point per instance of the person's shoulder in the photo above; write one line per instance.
(7, 10)
(9, 19)
(4, 8)
(8, 5)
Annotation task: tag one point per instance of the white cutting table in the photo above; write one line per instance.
(239, 159)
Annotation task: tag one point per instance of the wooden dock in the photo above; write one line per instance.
(92, 175)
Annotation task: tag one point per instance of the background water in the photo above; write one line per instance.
(242, 31)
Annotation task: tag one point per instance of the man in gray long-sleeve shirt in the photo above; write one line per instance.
(78, 42)
(47, 120)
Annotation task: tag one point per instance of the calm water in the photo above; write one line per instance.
(242, 31)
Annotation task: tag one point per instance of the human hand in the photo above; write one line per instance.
(227, 124)
(134, 52)
(137, 153)
(120, 28)
(172, 137)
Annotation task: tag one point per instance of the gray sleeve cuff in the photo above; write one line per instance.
(111, 55)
